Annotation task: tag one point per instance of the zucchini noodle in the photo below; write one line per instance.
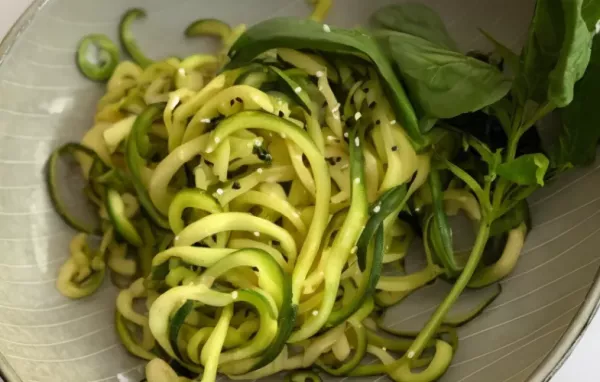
(253, 210)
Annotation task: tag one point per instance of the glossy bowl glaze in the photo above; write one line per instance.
(44, 102)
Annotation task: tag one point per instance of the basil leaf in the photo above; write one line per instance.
(511, 58)
(579, 132)
(288, 32)
(591, 13)
(443, 82)
(414, 19)
(556, 54)
(512, 219)
(525, 170)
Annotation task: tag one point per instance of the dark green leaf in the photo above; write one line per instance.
(510, 57)
(556, 54)
(307, 34)
(580, 132)
(512, 219)
(590, 11)
(445, 83)
(525, 170)
(415, 19)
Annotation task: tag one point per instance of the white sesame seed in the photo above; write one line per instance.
(257, 142)
(336, 116)
(220, 191)
(319, 74)
(181, 71)
(176, 238)
(410, 354)
(377, 208)
(296, 214)
(326, 28)
(298, 90)
(346, 134)
(336, 108)
(354, 250)
(217, 139)
(233, 52)
(356, 180)
(320, 88)
(331, 138)
(234, 294)
(384, 348)
(283, 135)
(260, 171)
(209, 150)
(393, 122)
(357, 115)
(256, 233)
(315, 312)
(205, 120)
(356, 141)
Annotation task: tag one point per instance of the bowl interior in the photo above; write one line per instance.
(44, 102)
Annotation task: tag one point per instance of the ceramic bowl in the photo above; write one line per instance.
(44, 102)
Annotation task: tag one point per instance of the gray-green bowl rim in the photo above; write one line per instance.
(543, 373)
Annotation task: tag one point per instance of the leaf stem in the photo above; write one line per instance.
(419, 344)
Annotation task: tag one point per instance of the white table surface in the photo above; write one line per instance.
(582, 366)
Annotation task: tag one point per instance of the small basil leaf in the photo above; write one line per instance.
(510, 57)
(590, 10)
(445, 83)
(427, 123)
(512, 219)
(414, 19)
(502, 110)
(579, 133)
(525, 170)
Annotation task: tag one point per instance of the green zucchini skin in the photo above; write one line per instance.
(127, 39)
(52, 183)
(208, 27)
(108, 57)
(116, 211)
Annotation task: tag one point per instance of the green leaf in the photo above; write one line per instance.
(307, 34)
(445, 83)
(557, 52)
(580, 121)
(525, 170)
(511, 58)
(512, 219)
(591, 13)
(414, 19)
(503, 110)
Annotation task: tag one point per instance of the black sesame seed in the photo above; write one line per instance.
(394, 148)
(372, 105)
(377, 122)
(232, 102)
(239, 99)
(366, 90)
(331, 161)
(338, 159)
(236, 185)
(281, 114)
